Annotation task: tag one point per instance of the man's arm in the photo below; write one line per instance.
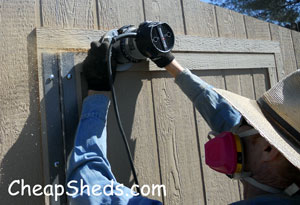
(216, 111)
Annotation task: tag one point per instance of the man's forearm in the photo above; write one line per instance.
(219, 115)
(174, 68)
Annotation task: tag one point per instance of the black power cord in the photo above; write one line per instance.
(111, 83)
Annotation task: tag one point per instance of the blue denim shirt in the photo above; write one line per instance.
(88, 161)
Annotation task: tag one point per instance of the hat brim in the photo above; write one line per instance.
(252, 113)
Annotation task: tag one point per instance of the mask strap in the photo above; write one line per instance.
(212, 133)
(261, 186)
(292, 189)
(248, 133)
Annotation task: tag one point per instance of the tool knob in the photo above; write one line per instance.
(154, 38)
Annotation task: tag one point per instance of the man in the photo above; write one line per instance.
(266, 132)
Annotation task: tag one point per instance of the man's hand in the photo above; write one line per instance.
(163, 59)
(95, 67)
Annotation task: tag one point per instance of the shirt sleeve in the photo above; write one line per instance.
(88, 167)
(216, 111)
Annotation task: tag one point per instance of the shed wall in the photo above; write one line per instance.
(20, 133)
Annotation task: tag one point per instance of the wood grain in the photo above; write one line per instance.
(177, 142)
(230, 24)
(68, 14)
(134, 95)
(168, 11)
(257, 29)
(20, 134)
(283, 35)
(80, 39)
(200, 18)
(296, 44)
(219, 188)
(114, 14)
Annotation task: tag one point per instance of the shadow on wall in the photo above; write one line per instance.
(128, 85)
(24, 159)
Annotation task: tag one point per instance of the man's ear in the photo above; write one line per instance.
(269, 152)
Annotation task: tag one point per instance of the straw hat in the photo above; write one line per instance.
(276, 115)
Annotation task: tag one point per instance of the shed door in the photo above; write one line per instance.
(165, 132)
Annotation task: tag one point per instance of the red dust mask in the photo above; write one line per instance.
(224, 152)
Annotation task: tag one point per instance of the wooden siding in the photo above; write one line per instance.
(20, 135)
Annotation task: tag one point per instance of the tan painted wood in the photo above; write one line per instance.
(117, 13)
(272, 76)
(177, 142)
(195, 43)
(20, 134)
(133, 90)
(168, 11)
(296, 44)
(200, 18)
(69, 14)
(202, 61)
(230, 23)
(283, 35)
(175, 123)
(80, 39)
(257, 29)
(219, 188)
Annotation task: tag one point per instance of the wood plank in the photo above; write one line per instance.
(200, 18)
(177, 142)
(195, 43)
(296, 44)
(261, 81)
(272, 76)
(205, 61)
(134, 94)
(218, 187)
(80, 39)
(257, 29)
(230, 23)
(20, 134)
(168, 11)
(114, 14)
(69, 14)
(200, 61)
(283, 35)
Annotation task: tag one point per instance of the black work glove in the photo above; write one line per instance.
(163, 59)
(95, 67)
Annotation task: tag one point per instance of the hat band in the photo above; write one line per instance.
(279, 123)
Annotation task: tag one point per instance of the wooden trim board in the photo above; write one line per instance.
(204, 53)
(81, 39)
